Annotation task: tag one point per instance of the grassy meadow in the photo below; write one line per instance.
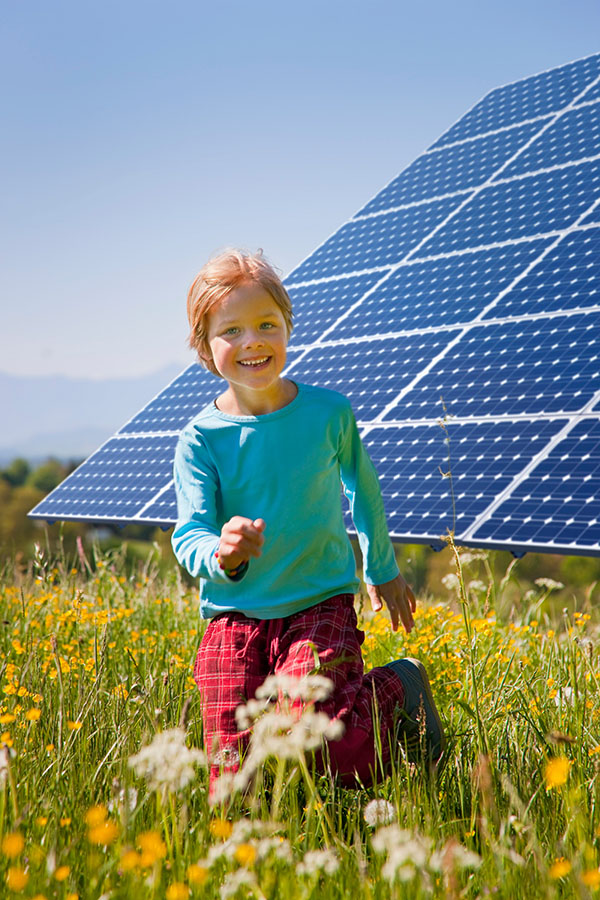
(104, 790)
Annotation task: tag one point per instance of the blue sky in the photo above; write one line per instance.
(142, 137)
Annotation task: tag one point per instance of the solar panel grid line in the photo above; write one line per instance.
(156, 396)
(546, 170)
(528, 469)
(157, 496)
(520, 83)
(471, 139)
(492, 179)
(377, 213)
(476, 321)
(577, 225)
(378, 336)
(493, 418)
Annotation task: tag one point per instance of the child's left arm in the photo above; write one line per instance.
(361, 486)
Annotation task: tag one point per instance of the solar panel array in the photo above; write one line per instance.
(459, 311)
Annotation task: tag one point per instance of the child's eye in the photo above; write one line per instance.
(267, 325)
(231, 330)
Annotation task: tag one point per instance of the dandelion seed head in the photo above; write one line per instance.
(166, 762)
(379, 812)
(318, 861)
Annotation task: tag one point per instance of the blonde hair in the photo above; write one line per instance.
(215, 280)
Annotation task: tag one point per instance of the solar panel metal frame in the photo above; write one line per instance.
(423, 223)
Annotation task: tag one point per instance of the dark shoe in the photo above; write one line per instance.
(421, 731)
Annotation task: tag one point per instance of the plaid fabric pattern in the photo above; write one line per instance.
(237, 654)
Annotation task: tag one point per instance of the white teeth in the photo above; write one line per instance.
(254, 362)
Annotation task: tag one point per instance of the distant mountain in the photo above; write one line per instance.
(69, 417)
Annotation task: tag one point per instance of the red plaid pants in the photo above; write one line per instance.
(237, 653)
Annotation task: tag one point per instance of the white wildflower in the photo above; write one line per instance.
(451, 582)
(565, 696)
(454, 855)
(310, 688)
(478, 586)
(167, 763)
(233, 881)
(379, 812)
(278, 846)
(549, 584)
(126, 801)
(248, 713)
(4, 765)
(318, 861)
(406, 852)
(469, 556)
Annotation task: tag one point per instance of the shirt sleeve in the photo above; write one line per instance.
(197, 532)
(361, 487)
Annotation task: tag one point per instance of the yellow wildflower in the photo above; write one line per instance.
(13, 844)
(62, 872)
(73, 726)
(560, 868)
(152, 846)
(33, 714)
(95, 816)
(197, 874)
(245, 854)
(130, 860)
(220, 828)
(591, 878)
(17, 878)
(41, 821)
(557, 772)
(103, 834)
(64, 823)
(178, 891)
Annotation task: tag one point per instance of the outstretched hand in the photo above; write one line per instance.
(241, 538)
(399, 599)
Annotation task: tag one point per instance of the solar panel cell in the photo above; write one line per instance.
(481, 457)
(370, 373)
(178, 403)
(568, 277)
(317, 306)
(439, 292)
(377, 241)
(531, 205)
(116, 482)
(575, 136)
(536, 96)
(554, 506)
(512, 368)
(452, 169)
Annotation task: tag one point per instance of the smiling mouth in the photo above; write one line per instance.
(254, 363)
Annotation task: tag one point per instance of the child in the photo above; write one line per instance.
(257, 475)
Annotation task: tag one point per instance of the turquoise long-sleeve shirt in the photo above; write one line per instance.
(285, 467)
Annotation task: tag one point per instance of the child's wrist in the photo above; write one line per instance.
(232, 571)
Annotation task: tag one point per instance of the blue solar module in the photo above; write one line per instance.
(524, 367)
(574, 136)
(482, 456)
(379, 240)
(451, 169)
(319, 305)
(115, 483)
(442, 291)
(568, 277)
(558, 503)
(532, 205)
(527, 99)
(465, 292)
(391, 364)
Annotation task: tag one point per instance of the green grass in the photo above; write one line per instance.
(95, 662)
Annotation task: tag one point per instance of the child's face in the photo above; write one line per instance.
(247, 336)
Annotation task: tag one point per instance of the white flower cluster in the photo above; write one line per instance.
(549, 583)
(316, 861)
(379, 812)
(278, 729)
(259, 835)
(408, 855)
(167, 763)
